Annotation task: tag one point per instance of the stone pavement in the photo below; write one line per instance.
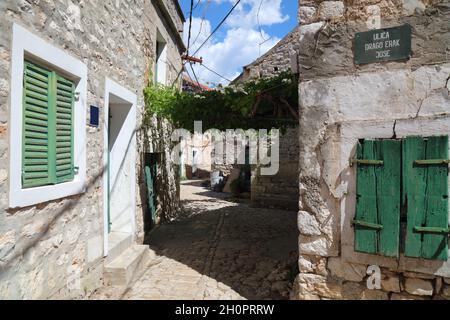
(219, 250)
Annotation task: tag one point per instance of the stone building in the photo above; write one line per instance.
(72, 185)
(373, 197)
(280, 190)
(282, 57)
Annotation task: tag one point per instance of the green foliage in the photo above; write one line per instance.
(263, 104)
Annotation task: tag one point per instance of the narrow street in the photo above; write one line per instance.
(218, 250)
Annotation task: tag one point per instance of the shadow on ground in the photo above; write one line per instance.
(251, 250)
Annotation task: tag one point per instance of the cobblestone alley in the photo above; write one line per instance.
(218, 250)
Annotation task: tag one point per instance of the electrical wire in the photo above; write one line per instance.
(215, 72)
(209, 37)
(196, 78)
(190, 27)
(260, 28)
(218, 26)
(202, 22)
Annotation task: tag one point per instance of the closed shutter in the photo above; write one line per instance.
(47, 152)
(425, 195)
(377, 219)
(35, 138)
(64, 130)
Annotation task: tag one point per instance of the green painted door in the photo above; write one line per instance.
(378, 195)
(150, 178)
(425, 195)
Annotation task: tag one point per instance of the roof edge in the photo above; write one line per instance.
(160, 4)
(180, 11)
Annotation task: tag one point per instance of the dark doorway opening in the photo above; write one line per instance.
(150, 172)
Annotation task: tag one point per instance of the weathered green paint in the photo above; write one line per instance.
(150, 178)
(366, 162)
(429, 162)
(47, 148)
(425, 195)
(366, 239)
(367, 225)
(389, 196)
(378, 198)
(395, 42)
(65, 97)
(431, 230)
(35, 134)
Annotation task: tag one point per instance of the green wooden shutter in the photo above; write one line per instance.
(35, 137)
(47, 150)
(377, 219)
(425, 195)
(64, 130)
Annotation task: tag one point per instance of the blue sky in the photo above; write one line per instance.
(253, 28)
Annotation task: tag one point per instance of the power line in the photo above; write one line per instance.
(196, 78)
(198, 2)
(209, 37)
(218, 26)
(190, 27)
(216, 73)
(202, 22)
(260, 28)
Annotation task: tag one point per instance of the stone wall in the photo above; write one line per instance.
(55, 249)
(282, 57)
(340, 103)
(280, 190)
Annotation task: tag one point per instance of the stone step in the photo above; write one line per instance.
(118, 242)
(128, 266)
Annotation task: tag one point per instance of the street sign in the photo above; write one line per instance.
(383, 45)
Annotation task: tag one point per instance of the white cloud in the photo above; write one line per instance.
(242, 44)
(255, 13)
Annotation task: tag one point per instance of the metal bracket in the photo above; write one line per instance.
(435, 230)
(368, 225)
(366, 162)
(431, 162)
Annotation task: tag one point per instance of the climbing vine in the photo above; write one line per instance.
(261, 104)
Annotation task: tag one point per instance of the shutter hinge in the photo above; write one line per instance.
(432, 230)
(76, 96)
(431, 162)
(76, 170)
(366, 162)
(367, 225)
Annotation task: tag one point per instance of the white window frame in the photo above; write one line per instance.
(26, 44)
(161, 60)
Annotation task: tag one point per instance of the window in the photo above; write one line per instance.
(408, 176)
(47, 149)
(161, 60)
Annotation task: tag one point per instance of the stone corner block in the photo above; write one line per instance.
(308, 224)
(347, 271)
(307, 15)
(317, 246)
(419, 287)
(330, 10)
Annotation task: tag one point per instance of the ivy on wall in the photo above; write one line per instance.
(260, 104)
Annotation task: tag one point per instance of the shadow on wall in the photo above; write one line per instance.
(68, 204)
(155, 139)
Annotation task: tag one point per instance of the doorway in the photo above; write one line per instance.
(120, 165)
(151, 168)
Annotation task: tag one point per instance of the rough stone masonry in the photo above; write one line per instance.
(340, 103)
